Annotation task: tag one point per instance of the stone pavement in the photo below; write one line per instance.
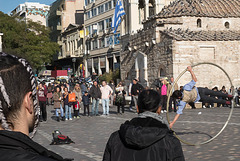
(90, 134)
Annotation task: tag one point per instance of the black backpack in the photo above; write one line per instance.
(58, 138)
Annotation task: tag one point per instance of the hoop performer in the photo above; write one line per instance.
(193, 94)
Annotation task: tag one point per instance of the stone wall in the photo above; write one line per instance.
(223, 53)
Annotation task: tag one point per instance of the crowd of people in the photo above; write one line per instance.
(111, 95)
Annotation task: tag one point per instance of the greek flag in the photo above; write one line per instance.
(119, 12)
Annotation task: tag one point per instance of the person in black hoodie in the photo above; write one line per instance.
(19, 114)
(146, 137)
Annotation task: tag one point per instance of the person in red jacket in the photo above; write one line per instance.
(42, 97)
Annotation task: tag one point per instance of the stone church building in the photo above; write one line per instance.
(184, 33)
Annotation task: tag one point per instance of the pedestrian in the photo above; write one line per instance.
(194, 94)
(96, 94)
(136, 90)
(57, 97)
(112, 95)
(164, 95)
(42, 97)
(131, 101)
(106, 91)
(76, 108)
(172, 100)
(120, 97)
(146, 137)
(83, 88)
(19, 113)
(78, 92)
(86, 102)
(49, 94)
(68, 111)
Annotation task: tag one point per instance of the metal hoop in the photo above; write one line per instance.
(229, 116)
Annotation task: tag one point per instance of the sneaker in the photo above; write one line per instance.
(66, 119)
(70, 119)
(74, 117)
(165, 111)
(78, 117)
(161, 111)
(204, 106)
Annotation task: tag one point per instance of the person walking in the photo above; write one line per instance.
(42, 97)
(96, 94)
(146, 137)
(57, 97)
(106, 91)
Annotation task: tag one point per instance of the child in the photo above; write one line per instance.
(76, 107)
(86, 101)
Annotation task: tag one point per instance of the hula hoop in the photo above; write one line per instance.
(229, 116)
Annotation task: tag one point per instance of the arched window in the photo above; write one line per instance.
(227, 25)
(199, 23)
(162, 73)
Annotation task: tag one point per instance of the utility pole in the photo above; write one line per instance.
(1, 34)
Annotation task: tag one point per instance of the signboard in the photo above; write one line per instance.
(81, 34)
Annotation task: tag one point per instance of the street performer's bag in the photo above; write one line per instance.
(58, 138)
(72, 97)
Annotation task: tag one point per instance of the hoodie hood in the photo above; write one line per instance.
(142, 132)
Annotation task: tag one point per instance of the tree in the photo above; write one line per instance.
(29, 40)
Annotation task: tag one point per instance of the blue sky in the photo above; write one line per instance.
(7, 6)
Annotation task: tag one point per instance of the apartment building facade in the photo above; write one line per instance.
(65, 20)
(32, 10)
(102, 46)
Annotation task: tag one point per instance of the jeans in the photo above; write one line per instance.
(61, 111)
(95, 103)
(68, 112)
(105, 105)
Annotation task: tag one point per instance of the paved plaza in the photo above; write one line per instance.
(90, 134)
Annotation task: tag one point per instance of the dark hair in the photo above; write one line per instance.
(177, 94)
(14, 87)
(86, 92)
(148, 100)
